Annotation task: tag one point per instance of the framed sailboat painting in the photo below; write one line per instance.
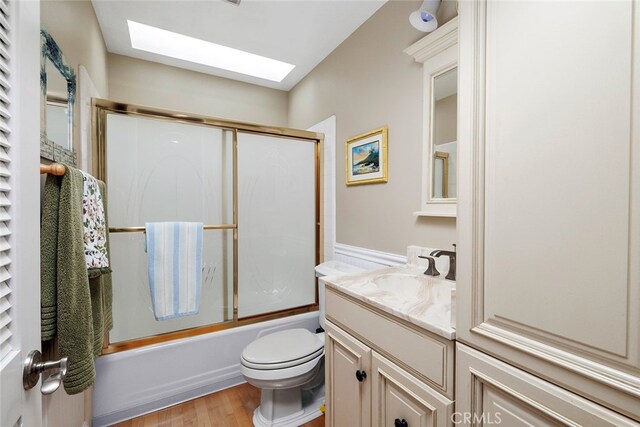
(366, 158)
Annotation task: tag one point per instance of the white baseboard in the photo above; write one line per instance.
(367, 258)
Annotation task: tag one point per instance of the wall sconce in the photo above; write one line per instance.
(424, 19)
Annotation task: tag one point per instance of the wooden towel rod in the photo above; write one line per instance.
(53, 169)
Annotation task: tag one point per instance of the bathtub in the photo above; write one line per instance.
(135, 382)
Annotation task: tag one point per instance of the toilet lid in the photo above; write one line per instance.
(282, 348)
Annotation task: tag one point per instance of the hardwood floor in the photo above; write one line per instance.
(232, 407)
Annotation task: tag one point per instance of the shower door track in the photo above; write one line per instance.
(100, 109)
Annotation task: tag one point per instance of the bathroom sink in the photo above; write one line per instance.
(406, 292)
(406, 285)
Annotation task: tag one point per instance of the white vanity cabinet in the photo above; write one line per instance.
(548, 225)
(371, 379)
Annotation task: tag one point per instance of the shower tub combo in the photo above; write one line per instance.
(257, 191)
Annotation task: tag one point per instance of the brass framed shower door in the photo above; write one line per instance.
(102, 107)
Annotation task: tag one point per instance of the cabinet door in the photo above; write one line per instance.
(398, 396)
(348, 400)
(549, 207)
(490, 392)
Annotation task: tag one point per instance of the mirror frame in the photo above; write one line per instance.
(438, 52)
(51, 51)
(430, 150)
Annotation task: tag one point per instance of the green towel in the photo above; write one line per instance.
(73, 308)
(48, 256)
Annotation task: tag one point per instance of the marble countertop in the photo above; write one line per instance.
(404, 292)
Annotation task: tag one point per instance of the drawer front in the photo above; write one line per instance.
(428, 356)
(493, 392)
(400, 398)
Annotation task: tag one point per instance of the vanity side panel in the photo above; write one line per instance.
(549, 209)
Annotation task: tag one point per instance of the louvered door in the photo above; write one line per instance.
(5, 189)
(19, 208)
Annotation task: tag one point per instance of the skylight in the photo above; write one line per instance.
(167, 43)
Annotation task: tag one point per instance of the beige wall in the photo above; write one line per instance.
(141, 82)
(368, 82)
(74, 26)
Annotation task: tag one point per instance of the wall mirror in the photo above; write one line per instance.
(444, 126)
(57, 98)
(438, 52)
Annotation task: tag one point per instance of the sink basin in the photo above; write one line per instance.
(406, 292)
(406, 285)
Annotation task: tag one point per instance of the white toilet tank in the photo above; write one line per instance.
(331, 268)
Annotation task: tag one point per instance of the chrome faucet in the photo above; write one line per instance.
(431, 270)
(451, 275)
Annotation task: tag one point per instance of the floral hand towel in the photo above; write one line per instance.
(95, 230)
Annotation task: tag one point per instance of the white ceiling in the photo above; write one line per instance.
(300, 32)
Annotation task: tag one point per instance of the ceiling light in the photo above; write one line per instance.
(424, 19)
(167, 43)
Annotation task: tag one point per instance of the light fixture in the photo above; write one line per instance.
(424, 19)
(167, 43)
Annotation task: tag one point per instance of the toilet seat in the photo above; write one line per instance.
(281, 350)
(282, 365)
(283, 374)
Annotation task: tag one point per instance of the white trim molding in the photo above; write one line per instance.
(434, 43)
(367, 258)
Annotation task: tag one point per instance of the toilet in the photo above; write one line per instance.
(288, 367)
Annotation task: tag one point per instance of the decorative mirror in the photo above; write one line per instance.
(57, 97)
(438, 52)
(443, 137)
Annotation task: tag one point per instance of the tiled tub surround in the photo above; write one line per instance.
(406, 292)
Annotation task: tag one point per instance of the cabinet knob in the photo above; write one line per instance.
(361, 375)
(400, 423)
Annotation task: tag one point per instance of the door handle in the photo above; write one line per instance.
(361, 375)
(34, 367)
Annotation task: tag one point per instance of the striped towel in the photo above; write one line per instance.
(174, 261)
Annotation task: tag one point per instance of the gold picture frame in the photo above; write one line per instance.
(366, 158)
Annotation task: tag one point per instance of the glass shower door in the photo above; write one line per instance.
(163, 170)
(255, 189)
(277, 241)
